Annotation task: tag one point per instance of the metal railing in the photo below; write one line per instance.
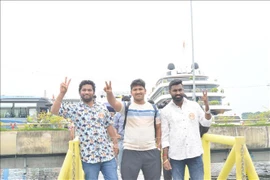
(239, 156)
(72, 165)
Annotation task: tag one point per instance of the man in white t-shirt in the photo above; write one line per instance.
(141, 141)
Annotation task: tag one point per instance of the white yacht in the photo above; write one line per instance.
(160, 93)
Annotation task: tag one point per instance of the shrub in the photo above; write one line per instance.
(214, 90)
(46, 120)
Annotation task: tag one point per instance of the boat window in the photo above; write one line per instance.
(199, 88)
(161, 91)
(214, 98)
(32, 112)
(6, 110)
(201, 78)
(6, 105)
(25, 105)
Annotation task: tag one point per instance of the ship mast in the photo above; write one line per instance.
(192, 51)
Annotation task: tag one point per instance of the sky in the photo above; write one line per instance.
(42, 42)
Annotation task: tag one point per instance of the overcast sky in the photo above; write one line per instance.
(44, 41)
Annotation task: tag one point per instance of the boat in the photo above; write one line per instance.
(15, 110)
(160, 92)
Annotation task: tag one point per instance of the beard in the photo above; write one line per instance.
(177, 98)
(86, 100)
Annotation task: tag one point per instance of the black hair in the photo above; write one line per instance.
(84, 82)
(126, 98)
(162, 105)
(174, 82)
(137, 82)
(151, 101)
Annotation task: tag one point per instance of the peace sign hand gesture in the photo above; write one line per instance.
(108, 87)
(205, 97)
(64, 86)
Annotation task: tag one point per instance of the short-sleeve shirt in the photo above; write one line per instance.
(91, 126)
(139, 129)
(118, 120)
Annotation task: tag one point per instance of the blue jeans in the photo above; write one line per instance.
(120, 154)
(195, 167)
(108, 169)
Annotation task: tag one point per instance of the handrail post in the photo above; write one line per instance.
(79, 174)
(65, 171)
(186, 173)
(76, 149)
(206, 158)
(250, 169)
(228, 165)
(239, 157)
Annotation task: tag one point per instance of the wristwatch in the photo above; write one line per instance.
(207, 112)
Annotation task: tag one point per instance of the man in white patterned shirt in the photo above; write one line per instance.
(181, 141)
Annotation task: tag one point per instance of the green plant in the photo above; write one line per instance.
(200, 102)
(214, 90)
(215, 102)
(45, 120)
(32, 118)
(44, 129)
(260, 115)
(3, 129)
(245, 124)
(223, 125)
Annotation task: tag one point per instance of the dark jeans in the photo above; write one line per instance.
(167, 174)
(195, 167)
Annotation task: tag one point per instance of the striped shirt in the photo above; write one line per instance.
(139, 129)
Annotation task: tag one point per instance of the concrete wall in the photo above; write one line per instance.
(34, 142)
(8, 143)
(257, 137)
(53, 142)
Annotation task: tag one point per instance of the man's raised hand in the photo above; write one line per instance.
(64, 86)
(108, 87)
(204, 97)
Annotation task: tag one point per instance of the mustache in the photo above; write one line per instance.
(87, 99)
(177, 97)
